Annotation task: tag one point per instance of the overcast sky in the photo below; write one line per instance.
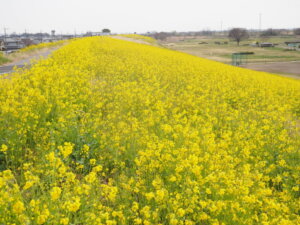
(141, 16)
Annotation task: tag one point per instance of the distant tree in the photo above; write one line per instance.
(88, 34)
(27, 42)
(269, 32)
(238, 34)
(297, 31)
(105, 30)
(161, 36)
(206, 33)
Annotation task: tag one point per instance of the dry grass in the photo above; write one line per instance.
(206, 47)
(222, 53)
(136, 40)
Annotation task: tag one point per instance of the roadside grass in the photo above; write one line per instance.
(3, 59)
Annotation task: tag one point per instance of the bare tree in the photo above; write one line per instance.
(106, 30)
(238, 34)
(269, 32)
(161, 36)
(297, 31)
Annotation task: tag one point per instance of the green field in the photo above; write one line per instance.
(222, 52)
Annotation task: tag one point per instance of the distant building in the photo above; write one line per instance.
(266, 45)
(36, 41)
(13, 44)
(89, 34)
(67, 36)
(293, 44)
(48, 40)
(27, 41)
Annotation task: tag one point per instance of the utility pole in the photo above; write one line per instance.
(260, 21)
(41, 36)
(221, 27)
(5, 29)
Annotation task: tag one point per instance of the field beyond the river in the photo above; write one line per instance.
(209, 47)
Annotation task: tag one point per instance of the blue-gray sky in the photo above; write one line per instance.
(142, 16)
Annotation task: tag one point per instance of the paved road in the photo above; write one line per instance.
(8, 68)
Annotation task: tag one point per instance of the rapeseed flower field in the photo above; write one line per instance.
(107, 131)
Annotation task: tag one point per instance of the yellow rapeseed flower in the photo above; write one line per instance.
(55, 193)
(18, 207)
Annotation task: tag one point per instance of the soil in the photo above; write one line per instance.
(291, 69)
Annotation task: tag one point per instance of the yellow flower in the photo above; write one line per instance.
(50, 157)
(135, 206)
(173, 178)
(203, 216)
(180, 212)
(146, 212)
(85, 149)
(41, 219)
(3, 148)
(173, 221)
(66, 149)
(138, 221)
(97, 168)
(55, 193)
(73, 205)
(92, 161)
(296, 188)
(18, 207)
(91, 177)
(282, 162)
(28, 185)
(208, 191)
(64, 221)
(149, 195)
(161, 195)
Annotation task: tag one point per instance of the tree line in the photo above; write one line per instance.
(236, 34)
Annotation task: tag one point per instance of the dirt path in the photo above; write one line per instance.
(291, 69)
(131, 39)
(26, 59)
